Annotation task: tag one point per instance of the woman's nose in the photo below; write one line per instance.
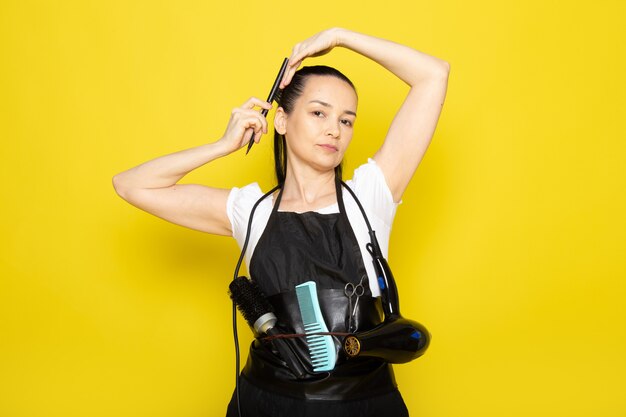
(333, 129)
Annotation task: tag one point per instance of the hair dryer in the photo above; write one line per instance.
(396, 339)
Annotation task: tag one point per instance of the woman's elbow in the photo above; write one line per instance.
(118, 186)
(444, 68)
(438, 72)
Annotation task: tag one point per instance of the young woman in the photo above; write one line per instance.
(310, 229)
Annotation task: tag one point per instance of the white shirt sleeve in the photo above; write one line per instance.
(238, 207)
(370, 187)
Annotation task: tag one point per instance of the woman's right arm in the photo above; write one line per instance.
(152, 186)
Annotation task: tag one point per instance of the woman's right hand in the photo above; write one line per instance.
(244, 122)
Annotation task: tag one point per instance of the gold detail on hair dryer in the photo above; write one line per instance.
(352, 346)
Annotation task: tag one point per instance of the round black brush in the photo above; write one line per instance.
(252, 304)
(259, 314)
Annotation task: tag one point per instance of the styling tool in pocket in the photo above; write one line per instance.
(259, 313)
(321, 347)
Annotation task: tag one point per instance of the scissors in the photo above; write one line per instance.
(351, 290)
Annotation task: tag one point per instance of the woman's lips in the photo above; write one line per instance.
(329, 147)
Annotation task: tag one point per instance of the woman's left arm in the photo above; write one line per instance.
(413, 126)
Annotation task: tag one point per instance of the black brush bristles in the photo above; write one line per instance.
(249, 299)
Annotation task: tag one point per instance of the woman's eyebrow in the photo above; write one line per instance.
(323, 103)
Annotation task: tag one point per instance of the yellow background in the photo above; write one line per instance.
(509, 246)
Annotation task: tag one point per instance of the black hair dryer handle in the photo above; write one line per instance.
(386, 283)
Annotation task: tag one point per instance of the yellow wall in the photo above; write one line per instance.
(509, 245)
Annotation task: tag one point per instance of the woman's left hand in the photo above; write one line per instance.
(318, 44)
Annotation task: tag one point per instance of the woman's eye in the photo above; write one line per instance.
(346, 122)
(318, 113)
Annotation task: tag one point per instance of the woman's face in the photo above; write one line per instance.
(320, 126)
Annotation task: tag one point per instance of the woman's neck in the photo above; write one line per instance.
(306, 189)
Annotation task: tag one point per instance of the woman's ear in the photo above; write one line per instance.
(280, 121)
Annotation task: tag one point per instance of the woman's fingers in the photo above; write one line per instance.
(252, 119)
(245, 123)
(254, 101)
(253, 122)
(318, 44)
(291, 70)
(297, 55)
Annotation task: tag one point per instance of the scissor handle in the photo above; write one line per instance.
(349, 290)
(359, 290)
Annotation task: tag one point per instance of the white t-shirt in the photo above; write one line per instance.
(370, 187)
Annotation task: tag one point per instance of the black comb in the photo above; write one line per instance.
(272, 96)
